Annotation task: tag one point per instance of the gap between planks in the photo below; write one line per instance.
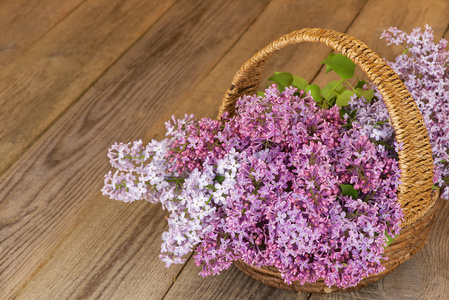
(20, 40)
(25, 149)
(43, 100)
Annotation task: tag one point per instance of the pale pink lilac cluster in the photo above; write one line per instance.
(423, 67)
(191, 193)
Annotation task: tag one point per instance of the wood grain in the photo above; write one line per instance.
(62, 65)
(280, 17)
(405, 15)
(378, 16)
(23, 22)
(51, 268)
(116, 71)
(122, 263)
(231, 284)
(58, 180)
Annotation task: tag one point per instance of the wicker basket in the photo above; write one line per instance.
(415, 160)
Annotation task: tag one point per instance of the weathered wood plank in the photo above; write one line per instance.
(41, 84)
(108, 255)
(282, 17)
(405, 15)
(22, 22)
(121, 263)
(378, 16)
(231, 284)
(50, 272)
(57, 181)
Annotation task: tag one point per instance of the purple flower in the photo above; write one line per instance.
(268, 186)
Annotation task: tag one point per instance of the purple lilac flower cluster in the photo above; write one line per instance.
(287, 209)
(265, 187)
(423, 66)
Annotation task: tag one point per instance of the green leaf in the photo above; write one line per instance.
(314, 92)
(443, 161)
(367, 94)
(210, 198)
(330, 90)
(389, 239)
(341, 65)
(343, 112)
(210, 186)
(299, 83)
(349, 190)
(328, 68)
(434, 187)
(344, 98)
(260, 94)
(381, 122)
(360, 84)
(282, 80)
(330, 95)
(339, 91)
(353, 113)
(220, 178)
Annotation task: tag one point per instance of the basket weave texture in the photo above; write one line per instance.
(415, 194)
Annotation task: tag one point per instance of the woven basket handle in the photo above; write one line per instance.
(415, 160)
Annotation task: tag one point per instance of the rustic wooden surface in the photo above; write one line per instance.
(76, 76)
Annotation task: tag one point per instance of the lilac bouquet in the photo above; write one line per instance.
(300, 178)
(424, 68)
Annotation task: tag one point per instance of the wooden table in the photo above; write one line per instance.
(76, 76)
